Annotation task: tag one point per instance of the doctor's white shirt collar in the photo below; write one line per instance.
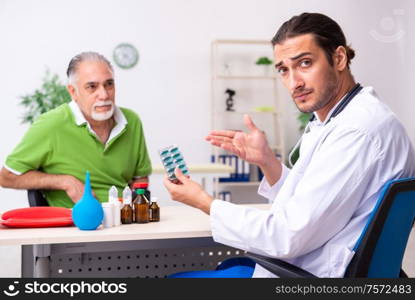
(119, 118)
(318, 122)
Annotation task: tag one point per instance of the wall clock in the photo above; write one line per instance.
(125, 56)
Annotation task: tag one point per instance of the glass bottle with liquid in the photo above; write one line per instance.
(141, 207)
(127, 212)
(154, 210)
(144, 186)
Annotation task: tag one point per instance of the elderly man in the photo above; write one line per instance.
(90, 133)
(353, 145)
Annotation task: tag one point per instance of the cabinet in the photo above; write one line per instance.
(240, 86)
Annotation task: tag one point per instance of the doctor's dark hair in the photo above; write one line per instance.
(327, 33)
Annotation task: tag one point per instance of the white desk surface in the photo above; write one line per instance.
(175, 222)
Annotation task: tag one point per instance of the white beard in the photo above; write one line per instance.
(104, 115)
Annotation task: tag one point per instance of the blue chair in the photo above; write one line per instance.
(380, 248)
(235, 267)
(378, 252)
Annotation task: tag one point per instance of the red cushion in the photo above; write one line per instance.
(43, 216)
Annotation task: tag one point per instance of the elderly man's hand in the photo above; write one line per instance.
(74, 188)
(188, 192)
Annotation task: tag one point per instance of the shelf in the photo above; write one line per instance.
(254, 42)
(233, 65)
(240, 183)
(247, 77)
(275, 147)
(247, 112)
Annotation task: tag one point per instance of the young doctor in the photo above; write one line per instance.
(352, 146)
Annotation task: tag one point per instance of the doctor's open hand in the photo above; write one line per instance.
(188, 192)
(252, 146)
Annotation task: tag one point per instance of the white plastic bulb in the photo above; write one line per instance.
(113, 195)
(126, 195)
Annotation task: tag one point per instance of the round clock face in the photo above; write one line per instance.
(125, 56)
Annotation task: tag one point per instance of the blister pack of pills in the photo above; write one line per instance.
(171, 157)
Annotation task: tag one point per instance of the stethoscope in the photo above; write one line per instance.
(346, 100)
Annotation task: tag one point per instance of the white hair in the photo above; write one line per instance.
(84, 56)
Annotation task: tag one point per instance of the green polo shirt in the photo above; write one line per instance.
(62, 142)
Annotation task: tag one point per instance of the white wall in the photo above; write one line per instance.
(170, 86)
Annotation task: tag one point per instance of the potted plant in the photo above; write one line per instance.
(50, 95)
(265, 62)
(303, 118)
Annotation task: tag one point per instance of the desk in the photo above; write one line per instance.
(181, 241)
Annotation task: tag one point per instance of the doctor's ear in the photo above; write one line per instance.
(340, 58)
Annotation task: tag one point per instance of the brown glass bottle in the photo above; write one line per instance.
(141, 207)
(144, 186)
(126, 214)
(154, 210)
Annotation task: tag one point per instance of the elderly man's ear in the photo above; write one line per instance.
(71, 91)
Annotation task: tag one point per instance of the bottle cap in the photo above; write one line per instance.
(154, 199)
(140, 185)
(140, 191)
(113, 195)
(126, 195)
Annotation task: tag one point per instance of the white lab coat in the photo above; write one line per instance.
(320, 207)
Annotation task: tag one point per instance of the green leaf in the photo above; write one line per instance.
(303, 118)
(263, 61)
(51, 94)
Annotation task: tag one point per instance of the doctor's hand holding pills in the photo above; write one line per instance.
(252, 147)
(188, 192)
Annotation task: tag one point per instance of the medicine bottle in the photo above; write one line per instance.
(141, 207)
(154, 210)
(144, 186)
(127, 212)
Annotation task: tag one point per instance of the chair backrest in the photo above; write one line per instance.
(381, 246)
(36, 198)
